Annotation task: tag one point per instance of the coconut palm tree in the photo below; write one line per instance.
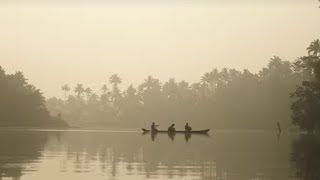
(88, 93)
(150, 83)
(224, 76)
(66, 89)
(170, 88)
(314, 48)
(79, 90)
(115, 80)
(206, 78)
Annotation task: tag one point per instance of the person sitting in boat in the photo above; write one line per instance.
(154, 127)
(171, 128)
(187, 128)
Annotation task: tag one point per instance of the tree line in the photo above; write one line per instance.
(226, 98)
(284, 91)
(22, 104)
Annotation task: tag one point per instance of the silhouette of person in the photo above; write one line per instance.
(154, 127)
(171, 129)
(187, 128)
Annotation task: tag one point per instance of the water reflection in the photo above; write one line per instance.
(305, 155)
(187, 137)
(128, 155)
(17, 150)
(171, 136)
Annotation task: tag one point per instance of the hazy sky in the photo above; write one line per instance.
(57, 43)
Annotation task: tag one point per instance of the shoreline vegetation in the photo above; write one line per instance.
(22, 104)
(284, 93)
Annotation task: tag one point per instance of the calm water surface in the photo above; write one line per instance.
(100, 155)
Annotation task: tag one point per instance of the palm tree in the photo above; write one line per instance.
(314, 48)
(66, 89)
(206, 78)
(170, 88)
(224, 75)
(115, 80)
(88, 92)
(150, 83)
(79, 90)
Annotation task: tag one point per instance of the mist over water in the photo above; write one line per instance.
(159, 89)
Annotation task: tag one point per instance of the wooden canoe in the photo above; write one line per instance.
(205, 131)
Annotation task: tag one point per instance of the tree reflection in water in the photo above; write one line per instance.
(111, 153)
(17, 150)
(305, 155)
(129, 155)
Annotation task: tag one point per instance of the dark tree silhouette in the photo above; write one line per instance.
(307, 96)
(314, 48)
(305, 155)
(22, 104)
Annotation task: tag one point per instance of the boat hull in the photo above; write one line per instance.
(205, 131)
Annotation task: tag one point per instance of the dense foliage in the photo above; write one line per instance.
(226, 98)
(306, 107)
(22, 104)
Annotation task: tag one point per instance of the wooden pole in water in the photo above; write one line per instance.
(279, 128)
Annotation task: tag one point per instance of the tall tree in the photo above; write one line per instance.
(307, 96)
(150, 84)
(170, 89)
(22, 104)
(66, 89)
(79, 90)
(115, 80)
(88, 93)
(314, 48)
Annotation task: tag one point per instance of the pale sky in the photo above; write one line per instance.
(57, 43)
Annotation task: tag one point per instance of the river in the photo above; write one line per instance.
(100, 155)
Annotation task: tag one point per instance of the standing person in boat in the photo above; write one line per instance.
(171, 129)
(154, 127)
(187, 128)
